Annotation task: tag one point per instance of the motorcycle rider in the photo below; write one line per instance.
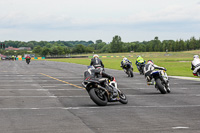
(139, 61)
(13, 57)
(195, 65)
(124, 62)
(96, 62)
(148, 69)
(93, 73)
(28, 57)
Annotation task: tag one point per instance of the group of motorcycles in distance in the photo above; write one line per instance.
(103, 90)
(160, 78)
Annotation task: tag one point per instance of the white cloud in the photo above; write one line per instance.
(85, 16)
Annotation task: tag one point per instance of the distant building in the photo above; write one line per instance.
(24, 48)
(20, 48)
(11, 48)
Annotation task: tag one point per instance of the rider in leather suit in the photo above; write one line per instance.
(96, 62)
(195, 65)
(148, 69)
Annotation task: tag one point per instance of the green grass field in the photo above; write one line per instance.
(177, 63)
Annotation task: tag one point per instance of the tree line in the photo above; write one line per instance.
(154, 45)
(58, 48)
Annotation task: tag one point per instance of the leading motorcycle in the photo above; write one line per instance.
(102, 90)
(28, 61)
(161, 81)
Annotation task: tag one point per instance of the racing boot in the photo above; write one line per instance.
(149, 81)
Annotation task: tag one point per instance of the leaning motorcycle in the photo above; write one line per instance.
(128, 69)
(101, 91)
(161, 81)
(197, 71)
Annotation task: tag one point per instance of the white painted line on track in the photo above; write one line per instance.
(67, 77)
(41, 96)
(21, 75)
(48, 86)
(40, 89)
(81, 96)
(133, 88)
(180, 127)
(186, 78)
(133, 83)
(100, 107)
(28, 81)
(183, 88)
(161, 95)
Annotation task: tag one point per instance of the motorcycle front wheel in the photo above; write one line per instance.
(123, 98)
(98, 97)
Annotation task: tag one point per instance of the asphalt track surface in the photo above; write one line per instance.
(47, 97)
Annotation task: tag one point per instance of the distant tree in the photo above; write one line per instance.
(100, 45)
(99, 41)
(80, 48)
(66, 50)
(53, 51)
(105, 49)
(182, 45)
(116, 44)
(192, 44)
(156, 38)
(30, 44)
(45, 51)
(37, 49)
(60, 50)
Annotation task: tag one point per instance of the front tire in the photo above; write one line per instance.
(160, 87)
(123, 98)
(97, 98)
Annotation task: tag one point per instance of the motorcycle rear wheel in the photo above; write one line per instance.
(97, 97)
(130, 73)
(160, 87)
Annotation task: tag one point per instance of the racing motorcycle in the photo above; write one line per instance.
(28, 61)
(141, 68)
(197, 73)
(102, 90)
(161, 81)
(128, 69)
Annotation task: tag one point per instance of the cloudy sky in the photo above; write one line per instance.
(133, 20)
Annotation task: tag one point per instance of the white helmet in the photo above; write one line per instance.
(150, 62)
(195, 56)
(124, 58)
(95, 55)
